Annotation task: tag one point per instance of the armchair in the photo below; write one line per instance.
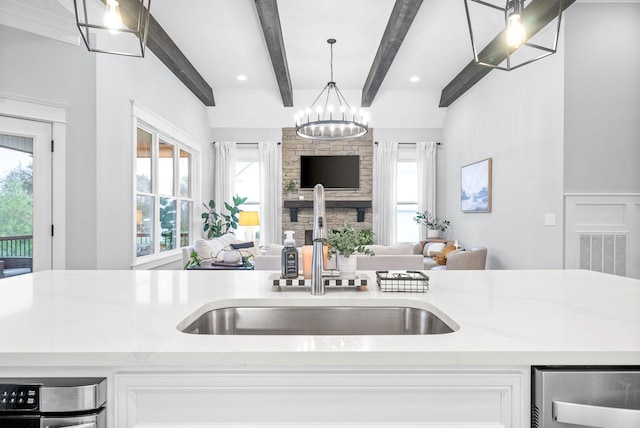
(474, 258)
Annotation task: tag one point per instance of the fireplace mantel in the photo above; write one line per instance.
(295, 205)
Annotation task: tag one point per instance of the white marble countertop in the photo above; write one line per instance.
(129, 319)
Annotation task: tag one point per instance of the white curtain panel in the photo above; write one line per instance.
(385, 165)
(224, 173)
(270, 161)
(427, 156)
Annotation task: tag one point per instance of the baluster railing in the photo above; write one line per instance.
(16, 246)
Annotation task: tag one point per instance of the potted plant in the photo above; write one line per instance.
(344, 242)
(194, 260)
(290, 187)
(433, 224)
(217, 224)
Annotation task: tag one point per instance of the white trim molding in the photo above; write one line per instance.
(145, 118)
(55, 113)
(45, 18)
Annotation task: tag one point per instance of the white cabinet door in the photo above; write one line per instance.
(327, 398)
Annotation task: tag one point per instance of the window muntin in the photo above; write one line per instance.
(185, 215)
(184, 169)
(143, 161)
(166, 167)
(168, 219)
(145, 225)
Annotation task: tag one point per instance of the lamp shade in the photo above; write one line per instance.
(248, 218)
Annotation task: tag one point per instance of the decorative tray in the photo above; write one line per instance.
(359, 283)
(230, 264)
(410, 281)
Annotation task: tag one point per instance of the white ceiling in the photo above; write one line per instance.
(223, 39)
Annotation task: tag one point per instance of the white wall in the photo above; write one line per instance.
(37, 67)
(516, 118)
(602, 98)
(149, 83)
(98, 89)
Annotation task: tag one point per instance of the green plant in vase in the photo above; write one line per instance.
(218, 223)
(194, 260)
(346, 241)
(290, 187)
(433, 224)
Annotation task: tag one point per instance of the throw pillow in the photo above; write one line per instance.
(441, 258)
(246, 248)
(204, 250)
(434, 248)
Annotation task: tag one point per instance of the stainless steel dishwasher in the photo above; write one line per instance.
(53, 402)
(580, 397)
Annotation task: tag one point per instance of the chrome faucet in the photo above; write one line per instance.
(319, 238)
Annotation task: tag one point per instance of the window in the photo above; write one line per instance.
(164, 193)
(247, 185)
(406, 195)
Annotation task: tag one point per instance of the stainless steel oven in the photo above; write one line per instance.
(53, 402)
(580, 397)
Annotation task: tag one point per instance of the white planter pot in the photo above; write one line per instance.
(347, 266)
(433, 233)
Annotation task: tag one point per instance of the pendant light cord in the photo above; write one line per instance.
(331, 62)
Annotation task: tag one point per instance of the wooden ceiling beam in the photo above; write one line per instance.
(535, 17)
(270, 22)
(168, 52)
(402, 16)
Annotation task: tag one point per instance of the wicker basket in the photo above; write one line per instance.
(411, 281)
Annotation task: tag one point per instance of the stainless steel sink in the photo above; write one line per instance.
(317, 320)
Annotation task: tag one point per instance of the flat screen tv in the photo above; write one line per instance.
(333, 172)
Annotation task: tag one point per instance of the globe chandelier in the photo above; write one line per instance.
(330, 117)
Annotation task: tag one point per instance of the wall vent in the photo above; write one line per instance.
(535, 416)
(604, 252)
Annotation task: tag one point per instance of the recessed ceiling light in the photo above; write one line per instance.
(414, 79)
(241, 77)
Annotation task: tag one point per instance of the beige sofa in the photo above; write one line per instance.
(397, 257)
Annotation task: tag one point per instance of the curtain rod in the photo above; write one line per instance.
(437, 143)
(246, 142)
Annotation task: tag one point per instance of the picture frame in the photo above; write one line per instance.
(475, 187)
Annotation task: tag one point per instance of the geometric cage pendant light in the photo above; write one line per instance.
(513, 47)
(330, 117)
(103, 30)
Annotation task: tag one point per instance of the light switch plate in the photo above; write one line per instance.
(550, 219)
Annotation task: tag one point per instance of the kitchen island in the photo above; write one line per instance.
(123, 325)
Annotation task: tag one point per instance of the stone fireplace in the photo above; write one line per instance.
(349, 205)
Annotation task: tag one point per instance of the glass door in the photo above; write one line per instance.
(25, 196)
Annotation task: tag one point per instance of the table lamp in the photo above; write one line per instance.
(248, 219)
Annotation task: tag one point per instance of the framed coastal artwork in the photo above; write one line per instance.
(475, 187)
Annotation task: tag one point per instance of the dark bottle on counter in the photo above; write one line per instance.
(289, 257)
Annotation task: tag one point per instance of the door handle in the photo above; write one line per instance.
(85, 425)
(595, 416)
